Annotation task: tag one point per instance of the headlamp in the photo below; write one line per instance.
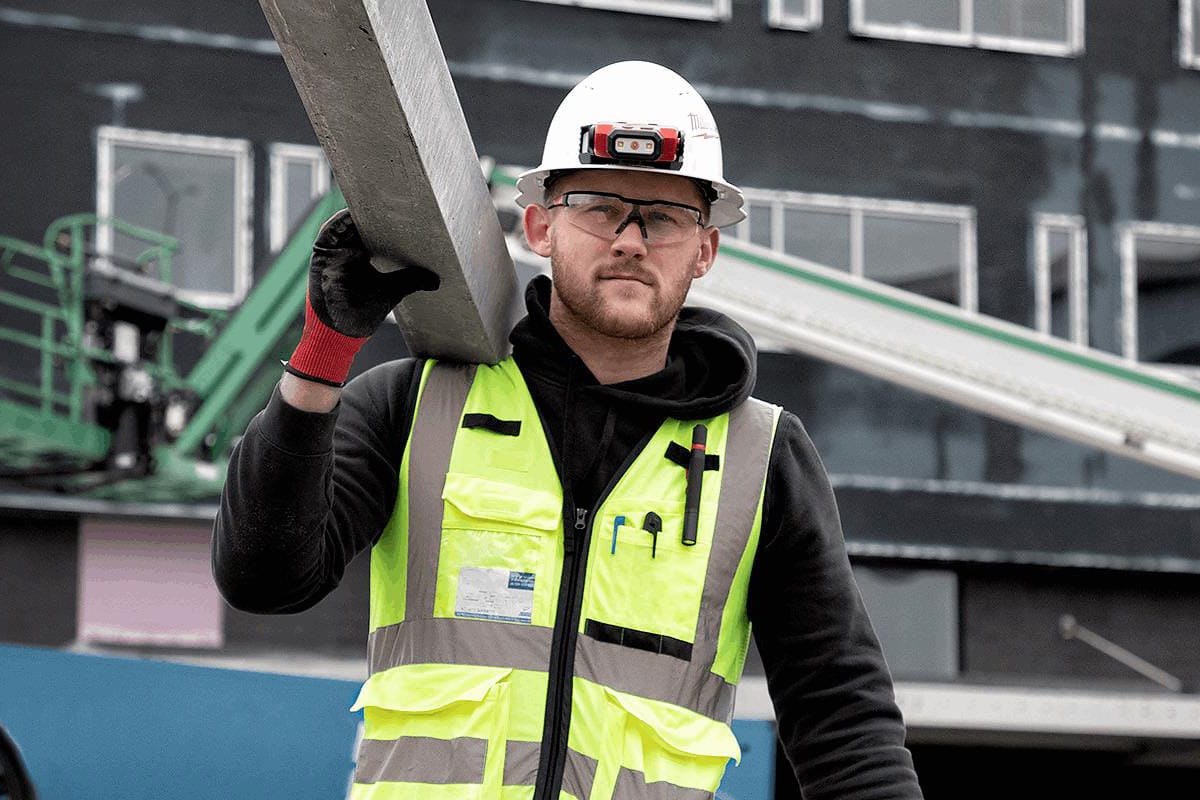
(636, 145)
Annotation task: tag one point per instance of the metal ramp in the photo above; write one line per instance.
(241, 367)
(990, 366)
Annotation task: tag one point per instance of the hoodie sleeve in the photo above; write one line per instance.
(833, 697)
(306, 492)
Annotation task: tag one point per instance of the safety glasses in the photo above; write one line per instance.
(606, 215)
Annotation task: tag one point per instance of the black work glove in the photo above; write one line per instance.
(348, 299)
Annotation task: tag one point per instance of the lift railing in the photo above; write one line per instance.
(59, 267)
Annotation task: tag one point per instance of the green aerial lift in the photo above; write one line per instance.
(110, 415)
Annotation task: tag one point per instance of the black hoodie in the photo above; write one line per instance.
(329, 481)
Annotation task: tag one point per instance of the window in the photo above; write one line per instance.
(1189, 35)
(299, 175)
(1048, 27)
(799, 15)
(915, 614)
(1060, 244)
(1160, 282)
(196, 189)
(690, 9)
(921, 247)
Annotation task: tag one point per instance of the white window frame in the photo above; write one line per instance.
(777, 17)
(1127, 235)
(857, 208)
(721, 9)
(1075, 228)
(109, 137)
(966, 35)
(1188, 56)
(281, 156)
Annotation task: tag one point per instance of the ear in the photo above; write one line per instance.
(710, 240)
(537, 229)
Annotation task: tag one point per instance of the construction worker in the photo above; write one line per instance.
(568, 548)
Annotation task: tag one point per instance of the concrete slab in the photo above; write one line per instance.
(374, 81)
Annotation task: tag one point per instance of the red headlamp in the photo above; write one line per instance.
(636, 145)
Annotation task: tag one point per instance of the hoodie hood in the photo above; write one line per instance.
(710, 369)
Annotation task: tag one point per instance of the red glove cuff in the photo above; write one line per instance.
(323, 355)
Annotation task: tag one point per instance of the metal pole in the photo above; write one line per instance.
(1071, 629)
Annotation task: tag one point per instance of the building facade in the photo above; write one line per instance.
(1034, 161)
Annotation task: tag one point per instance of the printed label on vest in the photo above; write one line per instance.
(498, 594)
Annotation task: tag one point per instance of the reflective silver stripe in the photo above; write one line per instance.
(420, 759)
(460, 641)
(691, 684)
(631, 785)
(743, 471)
(434, 429)
(521, 763)
(579, 773)
(497, 644)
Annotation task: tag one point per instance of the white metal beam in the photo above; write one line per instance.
(991, 366)
(374, 81)
(994, 367)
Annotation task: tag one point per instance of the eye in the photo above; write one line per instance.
(667, 217)
(603, 210)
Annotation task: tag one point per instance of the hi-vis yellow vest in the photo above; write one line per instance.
(467, 583)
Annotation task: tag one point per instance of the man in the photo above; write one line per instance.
(569, 547)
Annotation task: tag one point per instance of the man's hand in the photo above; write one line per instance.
(348, 299)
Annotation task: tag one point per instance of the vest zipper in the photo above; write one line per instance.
(557, 724)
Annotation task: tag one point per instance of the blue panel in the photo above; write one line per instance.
(754, 778)
(99, 727)
(102, 727)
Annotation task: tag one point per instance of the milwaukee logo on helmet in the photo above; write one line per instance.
(643, 145)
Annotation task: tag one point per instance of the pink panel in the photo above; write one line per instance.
(147, 583)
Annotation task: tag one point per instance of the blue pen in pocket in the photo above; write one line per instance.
(617, 523)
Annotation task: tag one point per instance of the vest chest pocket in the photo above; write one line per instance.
(499, 547)
(644, 586)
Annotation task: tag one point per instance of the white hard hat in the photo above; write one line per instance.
(641, 116)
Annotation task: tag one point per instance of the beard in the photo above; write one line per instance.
(584, 298)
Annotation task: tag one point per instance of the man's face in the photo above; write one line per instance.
(620, 286)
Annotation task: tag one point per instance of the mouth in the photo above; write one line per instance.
(624, 276)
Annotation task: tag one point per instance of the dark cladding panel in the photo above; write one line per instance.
(216, 16)
(1011, 623)
(38, 579)
(1061, 532)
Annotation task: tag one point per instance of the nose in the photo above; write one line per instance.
(629, 242)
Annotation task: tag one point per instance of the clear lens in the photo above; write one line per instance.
(603, 215)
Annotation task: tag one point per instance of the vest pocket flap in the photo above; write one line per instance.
(427, 688)
(679, 729)
(474, 497)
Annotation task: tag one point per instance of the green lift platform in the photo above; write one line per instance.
(101, 409)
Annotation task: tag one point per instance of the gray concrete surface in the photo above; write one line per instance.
(374, 82)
